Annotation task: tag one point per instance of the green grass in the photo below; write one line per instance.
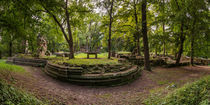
(123, 52)
(196, 93)
(92, 61)
(81, 59)
(12, 96)
(84, 55)
(9, 67)
(162, 82)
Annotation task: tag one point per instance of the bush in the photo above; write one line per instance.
(11, 96)
(197, 93)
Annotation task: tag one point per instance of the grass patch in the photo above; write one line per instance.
(84, 55)
(196, 93)
(81, 59)
(12, 96)
(124, 52)
(9, 67)
(162, 82)
(92, 61)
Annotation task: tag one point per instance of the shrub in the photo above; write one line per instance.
(11, 96)
(197, 93)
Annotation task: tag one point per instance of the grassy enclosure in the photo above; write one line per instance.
(81, 59)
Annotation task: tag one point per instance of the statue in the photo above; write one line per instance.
(42, 46)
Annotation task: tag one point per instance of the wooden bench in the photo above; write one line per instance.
(92, 53)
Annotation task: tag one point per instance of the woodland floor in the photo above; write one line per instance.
(35, 81)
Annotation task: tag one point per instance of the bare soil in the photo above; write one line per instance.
(35, 81)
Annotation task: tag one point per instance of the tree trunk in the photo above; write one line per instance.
(53, 48)
(0, 55)
(71, 45)
(110, 29)
(68, 39)
(164, 48)
(192, 50)
(192, 44)
(155, 51)
(145, 39)
(10, 49)
(164, 42)
(137, 29)
(182, 38)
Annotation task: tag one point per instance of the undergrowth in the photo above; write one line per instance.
(196, 93)
(12, 96)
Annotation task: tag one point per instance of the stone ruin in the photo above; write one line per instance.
(42, 46)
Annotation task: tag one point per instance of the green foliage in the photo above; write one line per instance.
(12, 96)
(197, 93)
(9, 67)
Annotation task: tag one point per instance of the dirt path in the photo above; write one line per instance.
(45, 87)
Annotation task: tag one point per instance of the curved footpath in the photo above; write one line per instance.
(46, 87)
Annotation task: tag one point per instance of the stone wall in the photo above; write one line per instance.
(28, 62)
(78, 75)
(138, 60)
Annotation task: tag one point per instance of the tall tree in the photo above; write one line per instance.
(145, 38)
(137, 33)
(63, 6)
(111, 2)
(182, 36)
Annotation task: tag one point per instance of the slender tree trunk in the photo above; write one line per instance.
(155, 51)
(0, 55)
(145, 39)
(87, 44)
(71, 45)
(10, 49)
(192, 43)
(137, 29)
(53, 48)
(192, 50)
(182, 38)
(110, 29)
(164, 49)
(164, 40)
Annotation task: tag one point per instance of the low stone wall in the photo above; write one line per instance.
(202, 61)
(140, 61)
(175, 65)
(78, 76)
(28, 62)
